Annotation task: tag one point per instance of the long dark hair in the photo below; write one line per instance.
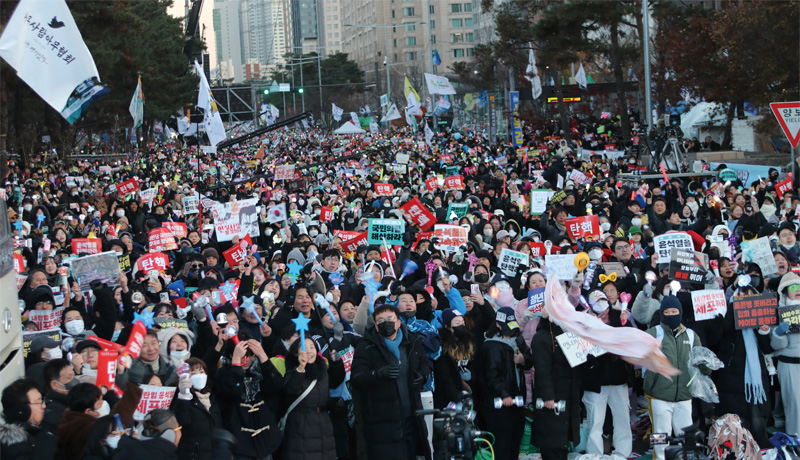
(459, 346)
(96, 444)
(314, 369)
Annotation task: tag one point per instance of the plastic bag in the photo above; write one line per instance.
(702, 360)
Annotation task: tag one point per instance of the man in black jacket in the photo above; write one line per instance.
(389, 370)
(21, 437)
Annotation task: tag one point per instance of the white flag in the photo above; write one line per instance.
(276, 213)
(137, 105)
(212, 120)
(438, 85)
(354, 118)
(410, 119)
(275, 112)
(532, 74)
(580, 77)
(373, 126)
(54, 72)
(192, 131)
(337, 113)
(413, 106)
(428, 135)
(391, 114)
(183, 125)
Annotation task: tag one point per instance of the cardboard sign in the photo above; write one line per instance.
(191, 205)
(238, 252)
(129, 186)
(153, 397)
(284, 172)
(783, 187)
(86, 246)
(536, 299)
(350, 245)
(709, 303)
(576, 349)
(326, 214)
(587, 227)
(27, 338)
(664, 243)
(685, 265)
(539, 199)
(792, 316)
(46, 319)
(389, 230)
(383, 189)
(759, 251)
(106, 368)
(419, 214)
(160, 239)
(178, 229)
(460, 210)
(152, 261)
(103, 267)
(450, 237)
(431, 184)
(510, 260)
(454, 182)
(755, 310)
(563, 265)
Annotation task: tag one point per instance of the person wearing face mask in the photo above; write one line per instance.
(176, 345)
(197, 411)
(787, 350)
(787, 242)
(671, 399)
(769, 210)
(389, 370)
(452, 371)
(500, 293)
(59, 379)
(85, 406)
(43, 350)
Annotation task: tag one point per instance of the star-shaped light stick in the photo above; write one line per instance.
(371, 287)
(294, 271)
(18, 226)
(250, 307)
(146, 317)
(40, 218)
(301, 325)
(227, 290)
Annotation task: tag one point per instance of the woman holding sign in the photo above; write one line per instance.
(787, 345)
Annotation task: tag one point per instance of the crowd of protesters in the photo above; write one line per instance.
(307, 347)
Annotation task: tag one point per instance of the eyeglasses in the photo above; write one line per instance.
(621, 248)
(794, 288)
(385, 320)
(197, 265)
(38, 403)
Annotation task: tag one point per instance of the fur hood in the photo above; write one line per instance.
(11, 434)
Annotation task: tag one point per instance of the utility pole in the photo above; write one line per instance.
(378, 87)
(303, 94)
(319, 76)
(648, 96)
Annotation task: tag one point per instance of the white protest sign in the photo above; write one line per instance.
(153, 397)
(191, 205)
(576, 349)
(709, 303)
(510, 260)
(563, 265)
(284, 172)
(226, 218)
(579, 177)
(402, 158)
(759, 251)
(46, 319)
(664, 243)
(539, 200)
(147, 196)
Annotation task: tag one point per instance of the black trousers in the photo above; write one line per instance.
(554, 454)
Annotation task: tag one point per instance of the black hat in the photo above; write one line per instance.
(84, 344)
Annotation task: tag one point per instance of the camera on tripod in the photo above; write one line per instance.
(453, 433)
(688, 446)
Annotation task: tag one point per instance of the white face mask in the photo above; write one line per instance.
(313, 233)
(54, 353)
(179, 354)
(75, 327)
(104, 410)
(512, 233)
(199, 381)
(113, 442)
(27, 207)
(600, 306)
(636, 221)
(488, 232)
(120, 212)
(595, 254)
(605, 226)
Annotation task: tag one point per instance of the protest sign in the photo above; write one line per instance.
(129, 186)
(237, 252)
(687, 265)
(166, 323)
(664, 243)
(27, 338)
(451, 170)
(447, 158)
(46, 319)
(153, 397)
(510, 260)
(454, 182)
(350, 245)
(191, 205)
(460, 210)
(616, 268)
(389, 230)
(709, 303)
(755, 310)
(248, 222)
(450, 237)
(563, 265)
(160, 239)
(790, 315)
(536, 299)
(538, 250)
(587, 227)
(152, 261)
(86, 246)
(103, 267)
(759, 251)
(383, 189)
(558, 197)
(106, 368)
(576, 349)
(178, 229)
(326, 214)
(783, 187)
(19, 263)
(147, 196)
(539, 198)
(402, 158)
(419, 214)
(284, 172)
(431, 184)
(227, 221)
(579, 177)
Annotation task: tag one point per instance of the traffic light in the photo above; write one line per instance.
(300, 90)
(266, 91)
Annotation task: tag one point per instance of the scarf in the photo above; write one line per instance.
(394, 345)
(205, 399)
(753, 386)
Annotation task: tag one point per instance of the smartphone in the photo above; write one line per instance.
(215, 297)
(475, 289)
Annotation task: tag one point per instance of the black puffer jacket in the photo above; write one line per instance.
(197, 423)
(377, 400)
(26, 442)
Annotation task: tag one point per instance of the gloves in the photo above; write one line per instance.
(704, 369)
(528, 315)
(199, 312)
(184, 384)
(338, 331)
(711, 278)
(782, 329)
(417, 382)
(388, 372)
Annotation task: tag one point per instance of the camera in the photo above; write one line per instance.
(690, 445)
(453, 433)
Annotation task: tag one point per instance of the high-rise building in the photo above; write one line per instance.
(228, 38)
(331, 14)
(257, 31)
(307, 33)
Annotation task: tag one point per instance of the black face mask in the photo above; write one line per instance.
(424, 310)
(408, 314)
(386, 329)
(482, 277)
(671, 321)
(462, 333)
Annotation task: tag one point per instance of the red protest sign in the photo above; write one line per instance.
(238, 252)
(755, 310)
(178, 229)
(431, 184)
(326, 214)
(136, 339)
(19, 263)
(383, 189)
(611, 146)
(88, 246)
(152, 261)
(108, 345)
(783, 187)
(419, 214)
(538, 250)
(454, 182)
(447, 158)
(106, 368)
(284, 172)
(129, 186)
(352, 244)
(583, 227)
(161, 239)
(346, 235)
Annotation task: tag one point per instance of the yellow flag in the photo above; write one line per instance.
(409, 89)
